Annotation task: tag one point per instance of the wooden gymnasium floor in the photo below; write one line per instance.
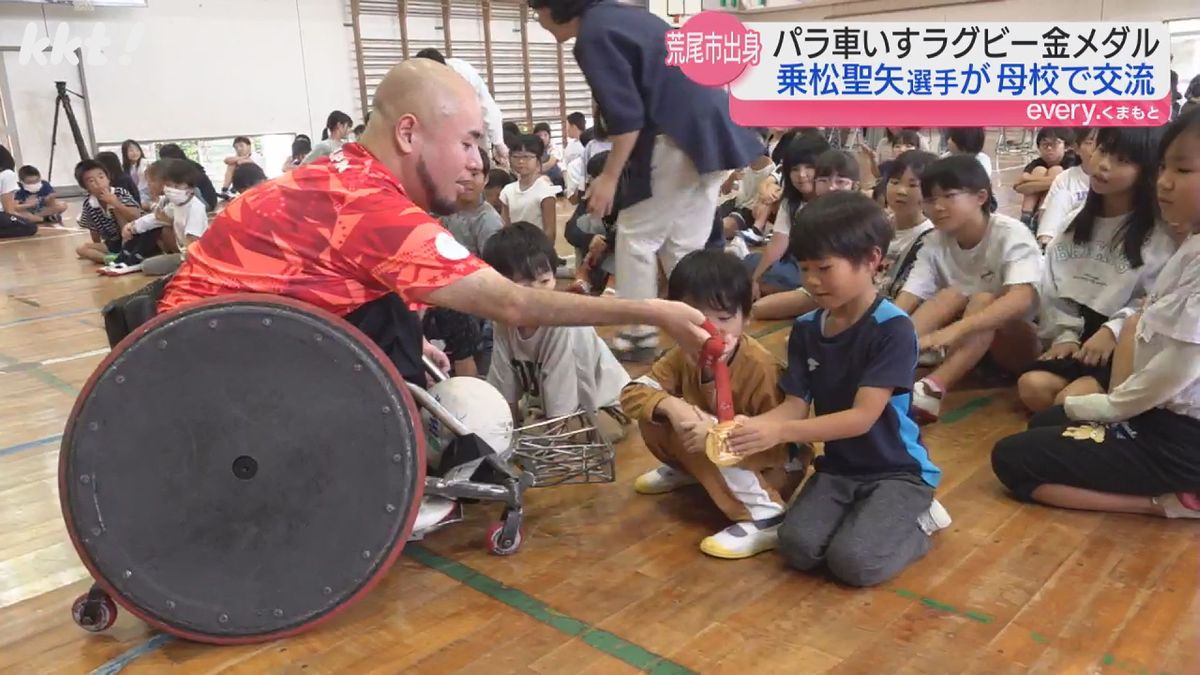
(609, 581)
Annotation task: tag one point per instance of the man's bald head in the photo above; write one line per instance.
(423, 88)
(425, 127)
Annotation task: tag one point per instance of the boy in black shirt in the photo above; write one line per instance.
(869, 509)
(1054, 156)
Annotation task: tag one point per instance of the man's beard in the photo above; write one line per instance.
(438, 205)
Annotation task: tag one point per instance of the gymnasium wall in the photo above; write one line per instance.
(194, 69)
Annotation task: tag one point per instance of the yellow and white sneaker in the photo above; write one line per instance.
(662, 480)
(743, 540)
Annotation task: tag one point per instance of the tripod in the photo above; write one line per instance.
(62, 103)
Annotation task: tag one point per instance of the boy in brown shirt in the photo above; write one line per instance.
(673, 406)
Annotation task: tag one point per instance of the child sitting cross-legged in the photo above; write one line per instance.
(868, 510)
(556, 370)
(674, 403)
(180, 216)
(973, 290)
(35, 198)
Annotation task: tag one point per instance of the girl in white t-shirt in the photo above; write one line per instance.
(1069, 189)
(974, 287)
(1133, 450)
(531, 197)
(1098, 270)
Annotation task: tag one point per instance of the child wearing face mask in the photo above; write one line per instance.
(180, 214)
(773, 270)
(675, 402)
(1098, 270)
(973, 290)
(35, 198)
(555, 370)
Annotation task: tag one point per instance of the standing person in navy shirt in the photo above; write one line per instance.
(672, 141)
(868, 510)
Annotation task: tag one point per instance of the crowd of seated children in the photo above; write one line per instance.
(497, 180)
(833, 171)
(595, 141)
(301, 146)
(36, 200)
(911, 227)
(1099, 269)
(207, 192)
(104, 212)
(895, 141)
(868, 510)
(674, 406)
(573, 164)
(969, 141)
(736, 214)
(900, 142)
(549, 371)
(973, 290)
(179, 218)
(467, 339)
(243, 154)
(1069, 189)
(1055, 155)
(335, 134)
(531, 198)
(134, 164)
(119, 178)
(1133, 449)
(594, 241)
(774, 271)
(552, 155)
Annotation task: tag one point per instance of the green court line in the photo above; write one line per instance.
(602, 640)
(966, 410)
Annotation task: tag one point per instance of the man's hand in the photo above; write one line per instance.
(683, 323)
(601, 193)
(1062, 350)
(436, 355)
(753, 435)
(598, 245)
(1098, 349)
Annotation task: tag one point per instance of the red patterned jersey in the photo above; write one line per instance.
(337, 233)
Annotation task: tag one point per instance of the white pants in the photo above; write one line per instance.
(673, 222)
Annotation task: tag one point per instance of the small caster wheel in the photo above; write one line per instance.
(496, 544)
(102, 616)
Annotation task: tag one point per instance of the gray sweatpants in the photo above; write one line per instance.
(864, 528)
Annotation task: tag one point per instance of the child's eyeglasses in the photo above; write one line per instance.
(836, 181)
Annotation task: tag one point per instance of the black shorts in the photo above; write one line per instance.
(1071, 369)
(1152, 454)
(389, 323)
(462, 333)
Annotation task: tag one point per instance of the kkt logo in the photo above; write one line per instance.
(64, 46)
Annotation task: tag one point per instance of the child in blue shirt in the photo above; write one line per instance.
(868, 510)
(35, 198)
